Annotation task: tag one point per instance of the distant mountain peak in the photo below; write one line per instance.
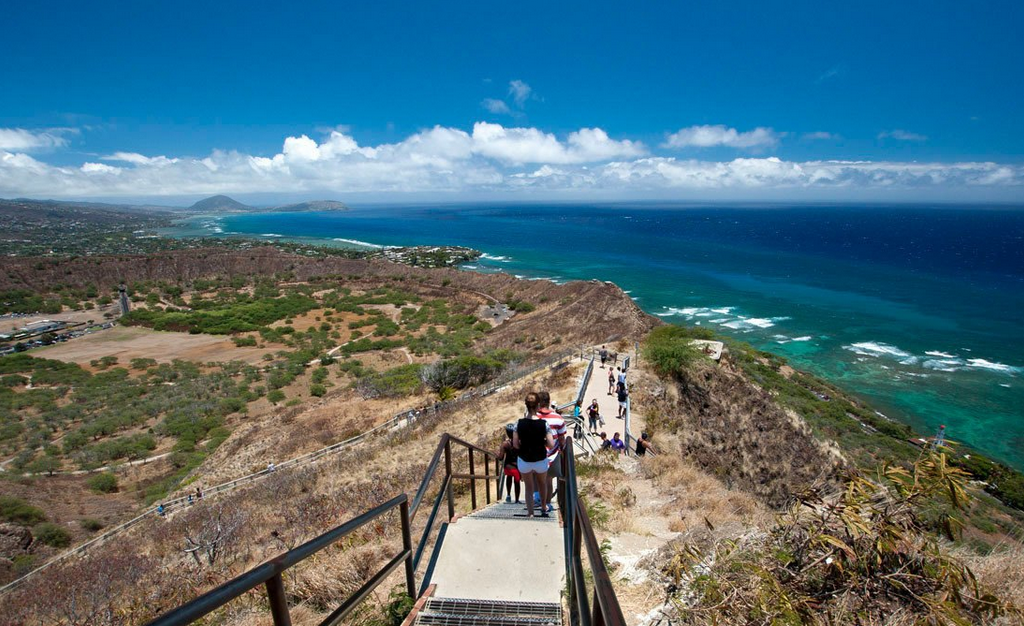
(219, 203)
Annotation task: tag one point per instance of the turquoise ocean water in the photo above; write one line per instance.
(919, 309)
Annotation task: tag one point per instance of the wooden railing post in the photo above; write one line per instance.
(410, 575)
(278, 601)
(448, 473)
(472, 481)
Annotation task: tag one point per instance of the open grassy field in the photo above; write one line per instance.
(127, 343)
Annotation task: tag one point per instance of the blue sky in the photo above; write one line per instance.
(698, 99)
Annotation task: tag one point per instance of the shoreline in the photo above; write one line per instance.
(838, 360)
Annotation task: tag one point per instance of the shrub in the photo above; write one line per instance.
(102, 483)
(52, 535)
(275, 396)
(317, 390)
(90, 524)
(669, 350)
(18, 511)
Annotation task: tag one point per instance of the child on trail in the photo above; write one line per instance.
(605, 444)
(531, 439)
(509, 459)
(617, 444)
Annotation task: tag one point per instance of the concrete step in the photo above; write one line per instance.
(474, 612)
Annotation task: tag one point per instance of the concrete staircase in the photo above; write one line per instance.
(496, 567)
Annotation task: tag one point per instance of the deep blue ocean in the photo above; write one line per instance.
(918, 309)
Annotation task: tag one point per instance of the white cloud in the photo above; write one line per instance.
(520, 92)
(19, 139)
(139, 159)
(901, 135)
(495, 106)
(488, 159)
(719, 135)
(820, 135)
(529, 145)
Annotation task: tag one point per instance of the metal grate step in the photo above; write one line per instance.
(498, 608)
(504, 510)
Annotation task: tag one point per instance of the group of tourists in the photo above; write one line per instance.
(530, 453)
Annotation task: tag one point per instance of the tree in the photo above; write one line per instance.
(46, 464)
(211, 531)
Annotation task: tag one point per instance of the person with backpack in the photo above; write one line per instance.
(531, 440)
(611, 381)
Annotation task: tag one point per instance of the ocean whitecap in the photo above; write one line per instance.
(995, 367)
(495, 257)
(876, 349)
(940, 354)
(359, 243)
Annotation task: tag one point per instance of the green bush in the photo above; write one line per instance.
(317, 390)
(18, 511)
(668, 349)
(102, 483)
(275, 396)
(90, 524)
(52, 535)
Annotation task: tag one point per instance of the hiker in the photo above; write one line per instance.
(509, 458)
(270, 466)
(603, 353)
(199, 493)
(611, 381)
(577, 420)
(615, 358)
(190, 499)
(593, 414)
(160, 510)
(557, 424)
(622, 377)
(617, 444)
(531, 438)
(605, 444)
(643, 445)
(623, 397)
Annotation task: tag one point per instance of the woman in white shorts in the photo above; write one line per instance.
(531, 440)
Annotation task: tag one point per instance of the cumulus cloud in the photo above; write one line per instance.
(719, 135)
(496, 106)
(489, 158)
(901, 135)
(529, 145)
(22, 140)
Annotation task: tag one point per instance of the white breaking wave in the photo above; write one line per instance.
(947, 362)
(995, 367)
(494, 257)
(359, 243)
(804, 338)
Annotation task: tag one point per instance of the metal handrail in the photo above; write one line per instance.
(605, 609)
(269, 574)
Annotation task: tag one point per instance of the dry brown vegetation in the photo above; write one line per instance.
(735, 431)
(173, 559)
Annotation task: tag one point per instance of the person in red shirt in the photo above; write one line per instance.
(557, 424)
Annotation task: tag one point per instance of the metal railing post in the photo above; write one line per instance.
(448, 473)
(472, 481)
(487, 480)
(410, 575)
(278, 601)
